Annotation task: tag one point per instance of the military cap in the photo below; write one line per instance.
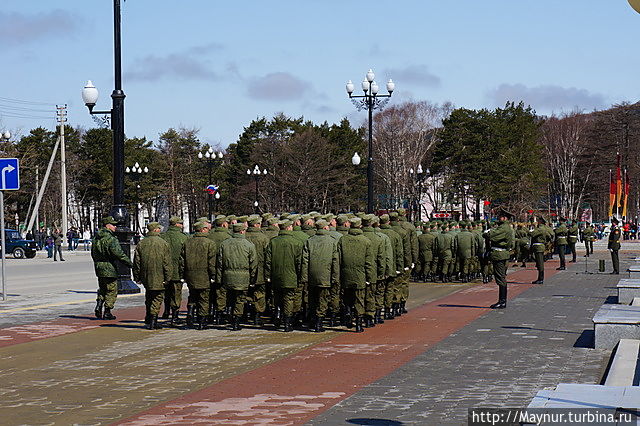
(202, 219)
(231, 217)
(315, 215)
(375, 219)
(285, 215)
(267, 216)
(328, 217)
(285, 223)
(402, 211)
(200, 226)
(305, 217)
(175, 219)
(109, 220)
(384, 218)
(367, 220)
(350, 215)
(255, 221)
(294, 217)
(321, 223)
(220, 219)
(238, 227)
(242, 219)
(152, 226)
(273, 221)
(433, 225)
(356, 222)
(341, 219)
(394, 216)
(361, 214)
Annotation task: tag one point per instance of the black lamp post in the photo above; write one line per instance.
(257, 174)
(136, 173)
(210, 156)
(370, 101)
(418, 177)
(118, 210)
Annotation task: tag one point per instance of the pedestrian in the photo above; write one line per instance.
(70, 239)
(236, 269)
(152, 268)
(198, 267)
(57, 243)
(501, 240)
(86, 237)
(49, 245)
(175, 237)
(614, 246)
(106, 252)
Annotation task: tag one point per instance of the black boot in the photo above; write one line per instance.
(190, 315)
(287, 324)
(388, 313)
(348, 321)
(201, 321)
(403, 307)
(540, 279)
(257, 319)
(379, 318)
(359, 328)
(175, 319)
(235, 323)
(368, 321)
(149, 321)
(107, 314)
(318, 328)
(333, 321)
(166, 313)
(98, 309)
(502, 298)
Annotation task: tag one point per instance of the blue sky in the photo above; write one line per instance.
(217, 65)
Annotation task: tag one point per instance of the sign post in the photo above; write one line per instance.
(9, 181)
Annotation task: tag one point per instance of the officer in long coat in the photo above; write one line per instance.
(236, 270)
(283, 264)
(106, 252)
(320, 270)
(501, 240)
(198, 267)
(173, 288)
(152, 267)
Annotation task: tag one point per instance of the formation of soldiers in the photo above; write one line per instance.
(316, 269)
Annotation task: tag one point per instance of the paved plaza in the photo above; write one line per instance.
(448, 354)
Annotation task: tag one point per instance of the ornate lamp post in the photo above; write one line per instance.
(118, 210)
(370, 101)
(418, 177)
(216, 199)
(210, 157)
(136, 173)
(257, 174)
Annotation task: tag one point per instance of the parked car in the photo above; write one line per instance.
(18, 246)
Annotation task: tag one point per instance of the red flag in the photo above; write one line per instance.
(618, 182)
(627, 187)
(612, 193)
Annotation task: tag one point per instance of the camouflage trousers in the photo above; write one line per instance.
(403, 286)
(335, 298)
(153, 301)
(319, 300)
(200, 298)
(354, 299)
(173, 295)
(389, 292)
(285, 299)
(370, 299)
(218, 297)
(107, 291)
(258, 295)
(379, 293)
(237, 299)
(464, 265)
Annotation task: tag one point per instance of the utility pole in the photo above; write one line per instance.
(62, 118)
(37, 207)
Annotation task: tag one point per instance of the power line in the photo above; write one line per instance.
(12, 108)
(21, 101)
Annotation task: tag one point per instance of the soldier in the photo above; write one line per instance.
(397, 268)
(466, 249)
(257, 294)
(152, 267)
(446, 248)
(357, 267)
(477, 232)
(588, 236)
(173, 288)
(343, 224)
(236, 269)
(561, 242)
(198, 267)
(320, 270)
(501, 239)
(378, 253)
(572, 239)
(389, 269)
(402, 281)
(522, 245)
(218, 293)
(426, 248)
(614, 246)
(538, 241)
(297, 228)
(106, 252)
(283, 263)
(272, 230)
(308, 225)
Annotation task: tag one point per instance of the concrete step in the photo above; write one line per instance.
(614, 322)
(624, 364)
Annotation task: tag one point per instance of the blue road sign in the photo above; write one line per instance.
(9, 174)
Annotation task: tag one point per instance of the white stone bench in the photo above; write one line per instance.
(572, 395)
(623, 366)
(634, 271)
(614, 322)
(636, 301)
(627, 290)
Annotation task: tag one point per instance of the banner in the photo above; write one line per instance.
(612, 193)
(627, 186)
(618, 183)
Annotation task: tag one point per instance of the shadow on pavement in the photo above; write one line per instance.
(374, 422)
(444, 305)
(82, 291)
(512, 327)
(611, 300)
(586, 340)
(83, 317)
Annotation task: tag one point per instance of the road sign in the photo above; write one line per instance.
(9, 174)
(442, 215)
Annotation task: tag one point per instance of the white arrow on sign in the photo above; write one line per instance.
(7, 169)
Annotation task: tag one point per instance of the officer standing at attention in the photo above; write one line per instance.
(106, 252)
(614, 246)
(538, 240)
(357, 268)
(152, 267)
(320, 270)
(572, 238)
(236, 268)
(198, 267)
(561, 242)
(588, 235)
(173, 288)
(501, 240)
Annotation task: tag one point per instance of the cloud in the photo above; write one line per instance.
(17, 28)
(416, 75)
(189, 64)
(547, 97)
(277, 86)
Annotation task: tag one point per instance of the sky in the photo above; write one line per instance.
(217, 65)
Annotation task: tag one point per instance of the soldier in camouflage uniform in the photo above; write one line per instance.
(218, 293)
(106, 252)
(501, 239)
(257, 294)
(426, 247)
(378, 253)
(173, 288)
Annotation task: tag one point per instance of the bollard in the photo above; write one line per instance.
(601, 265)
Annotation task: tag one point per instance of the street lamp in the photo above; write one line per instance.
(210, 157)
(136, 173)
(5, 136)
(370, 101)
(355, 160)
(118, 210)
(257, 174)
(418, 176)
